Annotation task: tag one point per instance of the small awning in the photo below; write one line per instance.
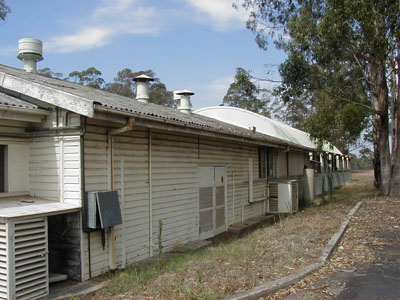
(27, 206)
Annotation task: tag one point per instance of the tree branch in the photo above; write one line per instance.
(369, 108)
(265, 79)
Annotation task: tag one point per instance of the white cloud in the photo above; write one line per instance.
(84, 39)
(220, 14)
(110, 19)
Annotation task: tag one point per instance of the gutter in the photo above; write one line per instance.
(23, 110)
(47, 132)
(143, 120)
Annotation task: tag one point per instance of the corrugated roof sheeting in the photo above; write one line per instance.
(11, 101)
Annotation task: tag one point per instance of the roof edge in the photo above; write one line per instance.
(47, 94)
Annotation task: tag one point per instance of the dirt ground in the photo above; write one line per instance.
(366, 263)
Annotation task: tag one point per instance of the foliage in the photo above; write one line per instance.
(124, 85)
(89, 77)
(364, 161)
(4, 10)
(49, 73)
(340, 55)
(243, 93)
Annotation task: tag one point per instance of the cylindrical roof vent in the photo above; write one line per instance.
(142, 87)
(30, 52)
(184, 105)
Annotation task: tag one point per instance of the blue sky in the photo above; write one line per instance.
(192, 44)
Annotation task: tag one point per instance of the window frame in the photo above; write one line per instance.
(265, 162)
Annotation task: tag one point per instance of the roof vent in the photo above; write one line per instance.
(184, 96)
(142, 87)
(30, 52)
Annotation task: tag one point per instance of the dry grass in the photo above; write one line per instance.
(375, 216)
(266, 254)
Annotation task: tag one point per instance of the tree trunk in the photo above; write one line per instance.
(377, 157)
(381, 120)
(395, 93)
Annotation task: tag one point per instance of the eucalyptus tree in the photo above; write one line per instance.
(343, 61)
(49, 73)
(89, 77)
(124, 85)
(4, 10)
(243, 93)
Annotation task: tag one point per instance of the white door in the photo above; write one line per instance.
(212, 182)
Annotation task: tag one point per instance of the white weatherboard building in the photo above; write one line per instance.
(64, 148)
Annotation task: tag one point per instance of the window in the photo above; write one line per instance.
(265, 162)
(3, 169)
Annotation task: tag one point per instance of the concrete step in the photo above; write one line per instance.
(238, 228)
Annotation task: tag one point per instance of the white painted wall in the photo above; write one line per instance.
(17, 167)
(54, 169)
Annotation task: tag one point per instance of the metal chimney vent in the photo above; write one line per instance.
(142, 87)
(184, 105)
(30, 52)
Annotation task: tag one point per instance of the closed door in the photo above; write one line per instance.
(211, 200)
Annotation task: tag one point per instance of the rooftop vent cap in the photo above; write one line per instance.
(142, 87)
(30, 52)
(184, 96)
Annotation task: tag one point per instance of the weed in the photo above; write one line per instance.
(160, 246)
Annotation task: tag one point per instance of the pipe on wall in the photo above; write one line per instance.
(82, 166)
(111, 232)
(150, 200)
(122, 166)
(233, 197)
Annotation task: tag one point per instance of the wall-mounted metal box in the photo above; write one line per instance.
(101, 210)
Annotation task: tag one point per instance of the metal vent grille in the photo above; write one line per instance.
(206, 209)
(206, 221)
(295, 196)
(273, 190)
(206, 197)
(220, 195)
(273, 205)
(220, 217)
(3, 261)
(275, 163)
(30, 258)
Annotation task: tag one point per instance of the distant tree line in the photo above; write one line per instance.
(122, 84)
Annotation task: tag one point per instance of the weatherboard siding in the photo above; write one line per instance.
(54, 169)
(235, 157)
(175, 159)
(174, 162)
(174, 188)
(95, 163)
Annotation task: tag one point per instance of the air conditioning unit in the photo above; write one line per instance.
(283, 196)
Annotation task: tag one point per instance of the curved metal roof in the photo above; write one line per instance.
(247, 119)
